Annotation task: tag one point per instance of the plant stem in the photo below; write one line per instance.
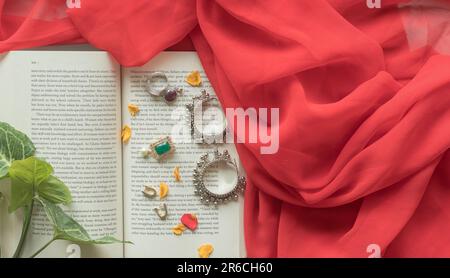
(42, 248)
(25, 226)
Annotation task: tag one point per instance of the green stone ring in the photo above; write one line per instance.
(161, 148)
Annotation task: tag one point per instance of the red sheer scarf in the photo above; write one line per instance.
(364, 110)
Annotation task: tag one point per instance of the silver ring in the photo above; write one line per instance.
(206, 196)
(162, 148)
(150, 83)
(169, 94)
(197, 133)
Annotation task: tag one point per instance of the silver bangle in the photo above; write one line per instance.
(197, 133)
(206, 196)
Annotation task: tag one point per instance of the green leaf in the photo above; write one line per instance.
(66, 228)
(55, 191)
(21, 194)
(14, 145)
(108, 240)
(26, 175)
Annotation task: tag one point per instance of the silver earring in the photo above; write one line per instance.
(217, 133)
(206, 196)
(149, 192)
(161, 211)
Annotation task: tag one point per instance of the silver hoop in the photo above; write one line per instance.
(206, 196)
(197, 107)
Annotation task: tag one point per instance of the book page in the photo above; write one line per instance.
(152, 236)
(69, 105)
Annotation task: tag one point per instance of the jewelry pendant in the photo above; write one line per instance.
(172, 94)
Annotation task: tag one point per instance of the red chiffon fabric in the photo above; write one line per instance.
(364, 113)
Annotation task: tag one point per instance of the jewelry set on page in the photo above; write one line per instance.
(158, 86)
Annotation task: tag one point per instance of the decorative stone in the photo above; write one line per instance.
(171, 95)
(162, 148)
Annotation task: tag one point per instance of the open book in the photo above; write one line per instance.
(73, 105)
